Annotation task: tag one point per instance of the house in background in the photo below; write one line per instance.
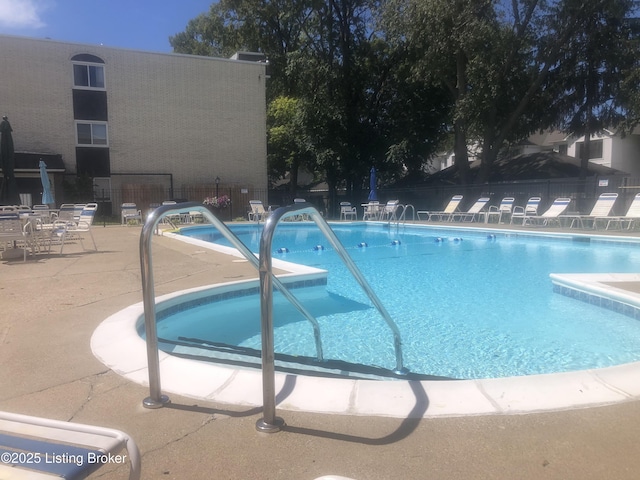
(608, 148)
(141, 126)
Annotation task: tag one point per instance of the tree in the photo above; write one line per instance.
(496, 60)
(289, 147)
(600, 56)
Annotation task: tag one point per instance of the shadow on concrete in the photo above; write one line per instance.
(407, 425)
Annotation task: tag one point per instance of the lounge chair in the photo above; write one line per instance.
(42, 447)
(601, 208)
(68, 231)
(388, 212)
(129, 212)
(553, 213)
(347, 211)
(451, 208)
(66, 212)
(632, 215)
(529, 210)
(474, 212)
(257, 212)
(504, 209)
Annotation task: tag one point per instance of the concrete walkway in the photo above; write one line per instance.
(51, 306)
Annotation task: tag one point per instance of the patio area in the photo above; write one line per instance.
(52, 305)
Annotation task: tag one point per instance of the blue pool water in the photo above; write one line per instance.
(467, 305)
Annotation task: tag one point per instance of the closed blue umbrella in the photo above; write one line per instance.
(47, 196)
(373, 194)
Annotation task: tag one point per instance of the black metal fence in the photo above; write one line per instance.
(583, 194)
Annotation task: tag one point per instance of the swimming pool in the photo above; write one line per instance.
(468, 304)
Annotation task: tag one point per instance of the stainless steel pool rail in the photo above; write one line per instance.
(155, 398)
(270, 422)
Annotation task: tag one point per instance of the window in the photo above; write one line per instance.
(595, 149)
(88, 76)
(92, 134)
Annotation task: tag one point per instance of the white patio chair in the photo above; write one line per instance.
(130, 213)
(388, 212)
(14, 233)
(347, 211)
(79, 447)
(371, 210)
(529, 210)
(70, 231)
(504, 209)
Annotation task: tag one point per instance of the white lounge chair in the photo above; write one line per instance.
(347, 211)
(553, 213)
(257, 212)
(45, 448)
(602, 208)
(529, 210)
(474, 212)
(68, 231)
(129, 212)
(503, 210)
(451, 208)
(66, 212)
(632, 216)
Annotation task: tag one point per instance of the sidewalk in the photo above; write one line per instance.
(51, 306)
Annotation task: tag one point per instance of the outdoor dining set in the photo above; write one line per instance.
(35, 229)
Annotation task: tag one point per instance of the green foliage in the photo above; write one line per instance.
(356, 83)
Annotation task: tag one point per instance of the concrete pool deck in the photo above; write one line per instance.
(51, 307)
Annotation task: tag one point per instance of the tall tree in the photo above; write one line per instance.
(599, 57)
(495, 58)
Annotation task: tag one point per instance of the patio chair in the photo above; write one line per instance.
(388, 212)
(553, 213)
(504, 209)
(529, 210)
(601, 208)
(371, 210)
(79, 449)
(130, 213)
(257, 212)
(474, 212)
(347, 211)
(304, 216)
(632, 215)
(14, 233)
(69, 231)
(66, 212)
(451, 208)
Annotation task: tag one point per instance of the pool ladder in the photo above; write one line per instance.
(402, 218)
(269, 423)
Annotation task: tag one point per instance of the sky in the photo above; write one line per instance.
(132, 24)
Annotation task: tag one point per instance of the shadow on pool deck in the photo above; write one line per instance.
(51, 306)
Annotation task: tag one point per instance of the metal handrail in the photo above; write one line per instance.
(156, 399)
(270, 423)
(402, 217)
